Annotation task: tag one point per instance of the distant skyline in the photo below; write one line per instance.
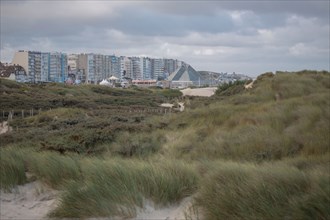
(248, 37)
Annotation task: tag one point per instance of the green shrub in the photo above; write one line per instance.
(137, 144)
(231, 88)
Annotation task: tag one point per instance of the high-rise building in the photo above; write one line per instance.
(157, 69)
(82, 68)
(44, 63)
(145, 67)
(90, 70)
(43, 67)
(72, 63)
(115, 66)
(58, 63)
(170, 65)
(99, 68)
(136, 74)
(126, 67)
(106, 67)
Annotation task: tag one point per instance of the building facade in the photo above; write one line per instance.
(157, 69)
(58, 63)
(145, 68)
(126, 67)
(92, 68)
(115, 66)
(43, 67)
(137, 74)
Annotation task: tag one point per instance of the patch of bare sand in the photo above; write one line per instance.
(183, 210)
(206, 92)
(4, 127)
(29, 201)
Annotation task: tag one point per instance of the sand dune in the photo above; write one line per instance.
(30, 201)
(207, 92)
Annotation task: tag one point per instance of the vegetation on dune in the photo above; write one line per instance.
(261, 153)
(231, 88)
(255, 125)
(117, 187)
(15, 96)
(247, 191)
(12, 168)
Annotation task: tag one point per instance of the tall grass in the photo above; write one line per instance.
(117, 187)
(50, 167)
(256, 126)
(53, 168)
(12, 169)
(281, 127)
(138, 144)
(246, 191)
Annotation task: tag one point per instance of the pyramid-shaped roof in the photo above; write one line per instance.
(185, 73)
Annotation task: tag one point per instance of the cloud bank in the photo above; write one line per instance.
(249, 37)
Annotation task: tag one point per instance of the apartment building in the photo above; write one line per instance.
(126, 67)
(43, 67)
(145, 67)
(58, 67)
(157, 69)
(91, 68)
(170, 65)
(136, 63)
(115, 66)
(106, 67)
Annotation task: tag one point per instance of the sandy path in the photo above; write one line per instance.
(30, 201)
(207, 92)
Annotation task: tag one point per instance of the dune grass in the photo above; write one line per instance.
(247, 191)
(118, 187)
(12, 168)
(53, 168)
(256, 126)
(245, 154)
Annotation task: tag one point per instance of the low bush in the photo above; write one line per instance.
(137, 144)
(231, 88)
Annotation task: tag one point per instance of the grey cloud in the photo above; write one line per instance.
(303, 7)
(241, 36)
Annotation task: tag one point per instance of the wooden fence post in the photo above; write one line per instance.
(10, 116)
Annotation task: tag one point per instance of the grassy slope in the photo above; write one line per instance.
(257, 154)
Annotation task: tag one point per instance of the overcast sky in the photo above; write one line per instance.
(249, 37)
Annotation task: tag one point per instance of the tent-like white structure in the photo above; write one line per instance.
(105, 83)
(113, 78)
